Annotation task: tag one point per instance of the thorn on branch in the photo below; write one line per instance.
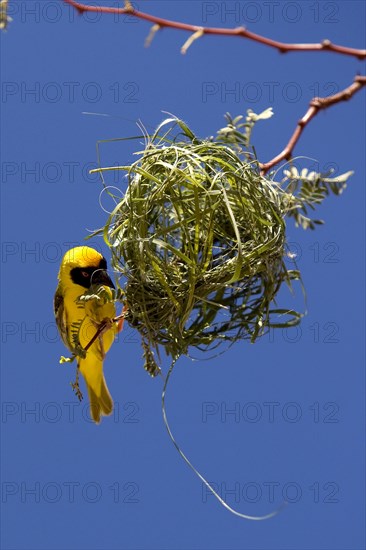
(191, 39)
(154, 29)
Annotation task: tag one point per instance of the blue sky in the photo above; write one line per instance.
(298, 427)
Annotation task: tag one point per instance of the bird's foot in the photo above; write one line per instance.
(77, 390)
(75, 386)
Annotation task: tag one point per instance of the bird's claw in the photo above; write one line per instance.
(77, 390)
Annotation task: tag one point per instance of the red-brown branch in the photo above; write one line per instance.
(316, 104)
(325, 45)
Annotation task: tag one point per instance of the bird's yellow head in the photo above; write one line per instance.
(84, 266)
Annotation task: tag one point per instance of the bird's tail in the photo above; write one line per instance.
(101, 403)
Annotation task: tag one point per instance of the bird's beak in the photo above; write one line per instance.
(101, 277)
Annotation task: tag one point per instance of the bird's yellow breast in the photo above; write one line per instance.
(84, 319)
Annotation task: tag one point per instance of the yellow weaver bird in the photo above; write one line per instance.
(78, 320)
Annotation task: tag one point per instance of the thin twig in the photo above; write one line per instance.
(102, 328)
(316, 104)
(242, 32)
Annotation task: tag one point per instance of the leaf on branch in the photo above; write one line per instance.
(305, 190)
(237, 132)
(268, 113)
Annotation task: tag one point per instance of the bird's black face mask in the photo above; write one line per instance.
(88, 276)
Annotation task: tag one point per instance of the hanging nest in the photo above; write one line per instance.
(199, 239)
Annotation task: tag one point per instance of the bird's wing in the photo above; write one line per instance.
(60, 316)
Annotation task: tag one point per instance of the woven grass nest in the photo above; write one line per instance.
(199, 240)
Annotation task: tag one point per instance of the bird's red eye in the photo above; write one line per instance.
(85, 274)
